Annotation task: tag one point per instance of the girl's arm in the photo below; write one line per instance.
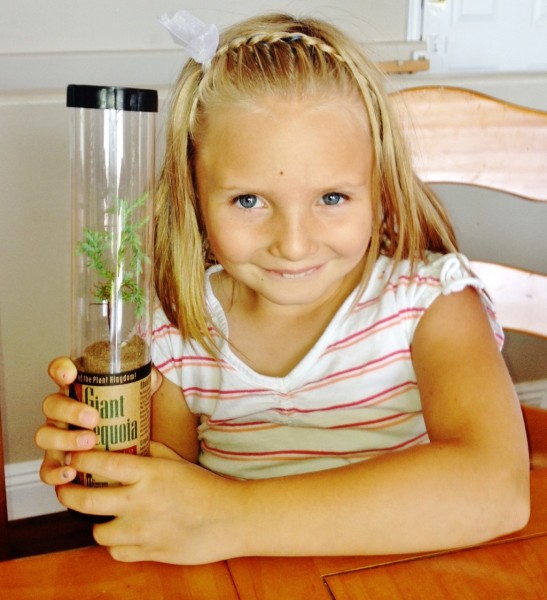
(469, 484)
(172, 422)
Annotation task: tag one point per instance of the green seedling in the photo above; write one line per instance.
(118, 258)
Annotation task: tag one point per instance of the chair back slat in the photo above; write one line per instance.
(464, 137)
(460, 136)
(520, 297)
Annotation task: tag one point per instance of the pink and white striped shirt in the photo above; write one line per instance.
(352, 397)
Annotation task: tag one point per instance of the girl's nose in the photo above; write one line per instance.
(293, 239)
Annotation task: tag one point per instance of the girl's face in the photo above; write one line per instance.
(285, 192)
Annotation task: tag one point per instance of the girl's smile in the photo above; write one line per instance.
(295, 274)
(284, 189)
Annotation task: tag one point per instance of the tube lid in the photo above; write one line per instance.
(107, 97)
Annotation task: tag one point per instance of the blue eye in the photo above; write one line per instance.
(333, 198)
(247, 201)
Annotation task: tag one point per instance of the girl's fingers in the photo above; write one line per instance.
(117, 466)
(55, 436)
(90, 501)
(63, 371)
(125, 553)
(51, 437)
(108, 534)
(100, 500)
(53, 471)
(58, 409)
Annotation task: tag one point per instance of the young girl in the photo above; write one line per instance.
(329, 379)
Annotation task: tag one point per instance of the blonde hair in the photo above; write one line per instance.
(285, 57)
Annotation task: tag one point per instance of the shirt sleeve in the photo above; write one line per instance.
(166, 346)
(442, 274)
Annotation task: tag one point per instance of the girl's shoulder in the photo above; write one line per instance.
(409, 288)
(446, 273)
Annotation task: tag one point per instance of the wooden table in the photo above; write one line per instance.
(514, 566)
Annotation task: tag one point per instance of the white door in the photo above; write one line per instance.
(485, 35)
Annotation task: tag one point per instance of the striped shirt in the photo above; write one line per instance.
(352, 397)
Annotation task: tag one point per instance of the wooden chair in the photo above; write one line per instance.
(461, 136)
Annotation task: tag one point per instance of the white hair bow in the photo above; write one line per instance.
(199, 40)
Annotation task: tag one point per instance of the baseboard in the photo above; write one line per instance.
(29, 497)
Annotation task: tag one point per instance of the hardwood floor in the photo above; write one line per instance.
(48, 533)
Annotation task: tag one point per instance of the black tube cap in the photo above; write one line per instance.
(118, 98)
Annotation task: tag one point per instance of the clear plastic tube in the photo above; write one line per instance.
(112, 162)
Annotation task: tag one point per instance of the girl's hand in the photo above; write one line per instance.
(166, 509)
(54, 436)
(61, 412)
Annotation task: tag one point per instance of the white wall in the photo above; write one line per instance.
(46, 45)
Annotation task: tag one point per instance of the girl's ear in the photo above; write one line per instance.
(208, 254)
